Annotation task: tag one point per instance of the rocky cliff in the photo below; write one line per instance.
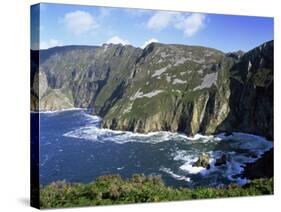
(251, 98)
(162, 87)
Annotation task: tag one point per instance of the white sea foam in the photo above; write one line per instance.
(253, 143)
(175, 176)
(92, 118)
(191, 169)
(120, 168)
(59, 111)
(93, 133)
(202, 137)
(190, 158)
(254, 146)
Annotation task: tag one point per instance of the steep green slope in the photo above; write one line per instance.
(195, 89)
(162, 87)
(170, 90)
(90, 77)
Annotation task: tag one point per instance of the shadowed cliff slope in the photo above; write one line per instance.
(162, 87)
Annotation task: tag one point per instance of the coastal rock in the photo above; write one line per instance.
(55, 100)
(262, 168)
(221, 161)
(251, 93)
(203, 161)
(89, 76)
(40, 84)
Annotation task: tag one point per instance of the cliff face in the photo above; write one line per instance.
(162, 87)
(171, 89)
(82, 76)
(251, 88)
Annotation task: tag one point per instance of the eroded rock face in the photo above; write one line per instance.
(90, 77)
(40, 84)
(262, 168)
(203, 161)
(221, 161)
(162, 87)
(187, 82)
(251, 93)
(55, 100)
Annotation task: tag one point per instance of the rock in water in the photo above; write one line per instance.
(203, 161)
(228, 133)
(262, 168)
(221, 161)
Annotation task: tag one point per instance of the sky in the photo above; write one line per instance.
(62, 24)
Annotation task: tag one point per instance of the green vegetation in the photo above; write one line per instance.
(200, 87)
(112, 189)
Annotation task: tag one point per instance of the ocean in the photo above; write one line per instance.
(74, 148)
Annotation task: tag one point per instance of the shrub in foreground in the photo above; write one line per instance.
(112, 189)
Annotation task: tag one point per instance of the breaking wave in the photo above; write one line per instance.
(174, 175)
(59, 111)
(251, 148)
(92, 132)
(242, 148)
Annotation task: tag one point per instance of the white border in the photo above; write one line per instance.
(14, 87)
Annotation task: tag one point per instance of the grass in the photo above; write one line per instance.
(112, 189)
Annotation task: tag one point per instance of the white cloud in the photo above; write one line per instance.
(117, 40)
(79, 22)
(50, 43)
(161, 20)
(189, 23)
(148, 42)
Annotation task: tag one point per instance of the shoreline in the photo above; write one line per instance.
(162, 135)
(194, 137)
(58, 111)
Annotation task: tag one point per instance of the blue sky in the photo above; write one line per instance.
(62, 24)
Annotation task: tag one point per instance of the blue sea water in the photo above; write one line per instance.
(74, 148)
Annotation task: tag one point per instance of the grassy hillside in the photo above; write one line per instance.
(112, 189)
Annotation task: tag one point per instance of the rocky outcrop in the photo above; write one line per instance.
(221, 161)
(162, 87)
(85, 76)
(203, 161)
(251, 93)
(55, 100)
(262, 168)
